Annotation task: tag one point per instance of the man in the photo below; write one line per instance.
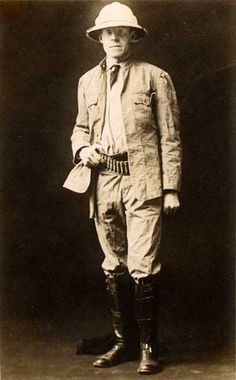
(127, 151)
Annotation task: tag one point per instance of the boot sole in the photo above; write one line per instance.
(148, 371)
(120, 360)
(103, 365)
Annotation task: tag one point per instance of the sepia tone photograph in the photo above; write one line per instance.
(117, 189)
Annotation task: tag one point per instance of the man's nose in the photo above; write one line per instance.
(114, 36)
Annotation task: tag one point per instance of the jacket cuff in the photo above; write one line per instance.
(171, 185)
(77, 157)
(167, 191)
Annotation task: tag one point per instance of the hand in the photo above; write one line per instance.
(90, 155)
(171, 203)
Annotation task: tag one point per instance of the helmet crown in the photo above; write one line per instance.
(112, 15)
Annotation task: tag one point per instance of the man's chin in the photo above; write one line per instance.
(115, 55)
(118, 57)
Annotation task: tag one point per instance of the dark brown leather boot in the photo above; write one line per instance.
(146, 307)
(121, 351)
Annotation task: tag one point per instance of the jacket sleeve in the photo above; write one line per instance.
(169, 132)
(80, 136)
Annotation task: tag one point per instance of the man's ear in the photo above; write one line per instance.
(133, 35)
(100, 37)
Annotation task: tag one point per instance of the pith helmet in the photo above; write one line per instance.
(115, 14)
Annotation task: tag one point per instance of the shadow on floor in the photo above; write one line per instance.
(39, 349)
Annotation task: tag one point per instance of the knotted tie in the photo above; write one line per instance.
(114, 74)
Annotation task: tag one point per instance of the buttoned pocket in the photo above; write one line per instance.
(142, 99)
(143, 109)
(92, 101)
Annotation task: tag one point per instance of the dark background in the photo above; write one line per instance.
(50, 254)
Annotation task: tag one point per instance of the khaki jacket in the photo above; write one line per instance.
(151, 123)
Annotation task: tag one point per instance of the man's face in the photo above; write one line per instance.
(116, 42)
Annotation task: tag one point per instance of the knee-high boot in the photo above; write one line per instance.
(146, 308)
(121, 351)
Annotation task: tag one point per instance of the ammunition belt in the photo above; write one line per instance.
(117, 163)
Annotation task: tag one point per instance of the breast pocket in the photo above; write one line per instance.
(143, 109)
(92, 102)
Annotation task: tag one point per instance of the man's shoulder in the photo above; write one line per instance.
(149, 67)
(90, 73)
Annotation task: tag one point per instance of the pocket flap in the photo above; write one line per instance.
(143, 99)
(92, 99)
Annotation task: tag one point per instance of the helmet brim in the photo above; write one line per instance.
(94, 32)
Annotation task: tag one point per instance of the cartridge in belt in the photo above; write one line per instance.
(121, 167)
(118, 169)
(126, 168)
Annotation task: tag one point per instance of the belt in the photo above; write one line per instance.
(117, 163)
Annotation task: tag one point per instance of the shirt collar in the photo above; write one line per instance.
(110, 63)
(106, 63)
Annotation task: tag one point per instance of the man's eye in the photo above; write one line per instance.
(123, 32)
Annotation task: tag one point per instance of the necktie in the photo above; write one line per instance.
(114, 74)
